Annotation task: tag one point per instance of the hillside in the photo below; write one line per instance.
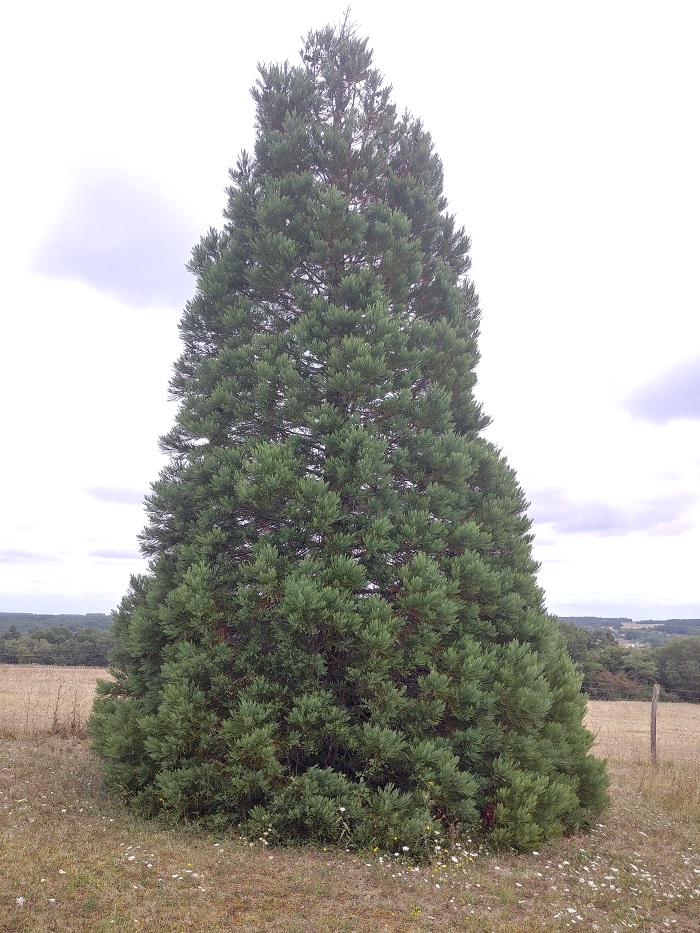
(667, 626)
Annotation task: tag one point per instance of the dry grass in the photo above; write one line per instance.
(39, 700)
(74, 861)
(622, 730)
(672, 785)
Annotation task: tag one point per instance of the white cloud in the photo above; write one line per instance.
(674, 395)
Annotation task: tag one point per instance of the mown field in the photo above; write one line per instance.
(71, 859)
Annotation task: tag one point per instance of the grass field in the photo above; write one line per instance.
(71, 859)
(37, 701)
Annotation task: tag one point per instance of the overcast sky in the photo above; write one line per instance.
(570, 140)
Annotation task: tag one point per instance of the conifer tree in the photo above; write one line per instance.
(340, 636)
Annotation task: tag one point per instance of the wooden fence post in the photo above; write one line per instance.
(654, 704)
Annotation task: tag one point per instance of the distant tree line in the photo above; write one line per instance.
(56, 645)
(25, 622)
(612, 671)
(633, 630)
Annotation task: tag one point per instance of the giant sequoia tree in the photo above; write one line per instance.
(340, 635)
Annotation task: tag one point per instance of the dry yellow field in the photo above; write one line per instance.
(622, 729)
(73, 860)
(40, 699)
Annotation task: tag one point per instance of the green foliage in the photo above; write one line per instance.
(610, 671)
(679, 666)
(594, 622)
(340, 637)
(643, 628)
(654, 637)
(55, 645)
(681, 626)
(26, 622)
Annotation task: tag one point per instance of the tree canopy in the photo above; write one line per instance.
(340, 636)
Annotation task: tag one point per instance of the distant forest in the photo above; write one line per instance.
(668, 626)
(30, 638)
(666, 652)
(26, 622)
(29, 621)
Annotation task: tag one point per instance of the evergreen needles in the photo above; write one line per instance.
(340, 637)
